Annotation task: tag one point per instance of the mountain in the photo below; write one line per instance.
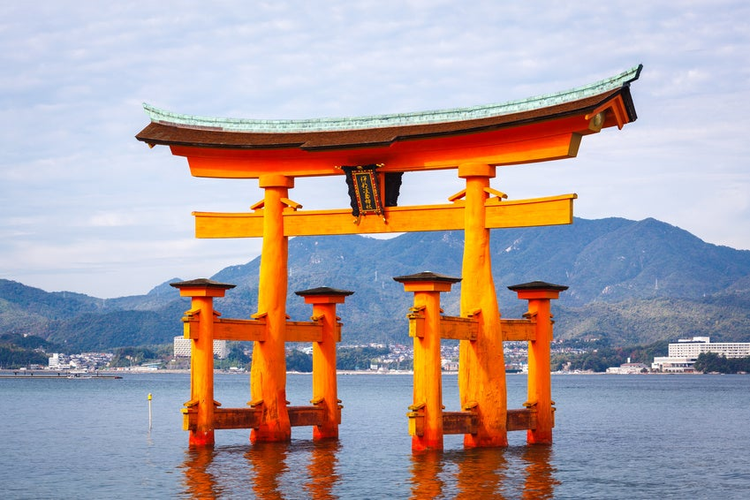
(79, 322)
(630, 282)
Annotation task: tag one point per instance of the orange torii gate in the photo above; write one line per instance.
(372, 153)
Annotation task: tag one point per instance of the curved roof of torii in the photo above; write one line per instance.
(172, 129)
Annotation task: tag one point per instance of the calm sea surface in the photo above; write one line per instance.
(615, 437)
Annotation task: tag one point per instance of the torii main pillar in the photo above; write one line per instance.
(268, 371)
(481, 376)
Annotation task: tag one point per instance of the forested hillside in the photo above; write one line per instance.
(631, 282)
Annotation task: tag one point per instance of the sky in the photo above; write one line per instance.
(84, 207)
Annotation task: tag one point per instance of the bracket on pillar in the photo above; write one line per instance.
(499, 195)
(291, 204)
(416, 322)
(458, 196)
(416, 419)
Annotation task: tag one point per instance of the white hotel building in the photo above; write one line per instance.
(684, 353)
(182, 348)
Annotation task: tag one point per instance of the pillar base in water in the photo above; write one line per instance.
(201, 439)
(471, 441)
(423, 444)
(325, 434)
(270, 434)
(535, 437)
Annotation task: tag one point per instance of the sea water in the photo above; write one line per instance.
(616, 436)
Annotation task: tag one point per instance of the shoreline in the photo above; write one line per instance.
(118, 374)
(56, 374)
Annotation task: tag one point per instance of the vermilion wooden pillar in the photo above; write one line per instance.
(268, 370)
(539, 294)
(481, 376)
(202, 293)
(428, 373)
(325, 389)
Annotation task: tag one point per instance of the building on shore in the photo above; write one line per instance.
(58, 361)
(81, 361)
(683, 354)
(182, 348)
(629, 368)
(672, 364)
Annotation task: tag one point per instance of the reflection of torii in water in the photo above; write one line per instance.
(473, 141)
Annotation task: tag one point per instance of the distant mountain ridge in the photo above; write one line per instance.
(629, 282)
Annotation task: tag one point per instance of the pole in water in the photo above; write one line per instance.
(149, 411)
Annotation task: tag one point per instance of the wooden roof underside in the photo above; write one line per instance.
(157, 133)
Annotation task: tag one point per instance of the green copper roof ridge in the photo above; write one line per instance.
(397, 119)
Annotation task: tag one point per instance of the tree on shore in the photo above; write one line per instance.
(711, 362)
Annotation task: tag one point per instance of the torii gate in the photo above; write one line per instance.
(372, 152)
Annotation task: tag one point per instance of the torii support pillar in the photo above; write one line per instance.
(427, 409)
(539, 294)
(202, 292)
(325, 388)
